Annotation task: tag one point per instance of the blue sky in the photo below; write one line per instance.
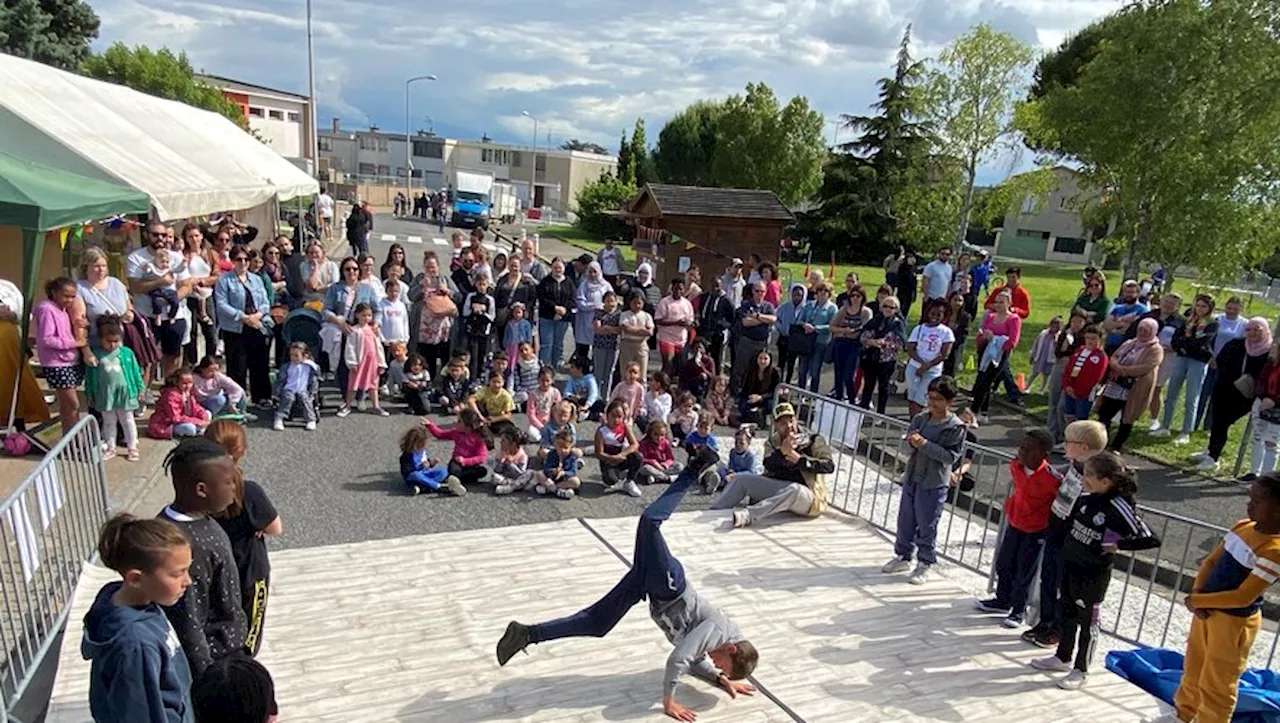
(585, 68)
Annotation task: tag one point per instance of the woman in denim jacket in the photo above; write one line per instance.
(244, 323)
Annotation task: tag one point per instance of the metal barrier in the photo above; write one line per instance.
(48, 530)
(1144, 602)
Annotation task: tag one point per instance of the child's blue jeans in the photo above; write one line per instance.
(918, 513)
(655, 573)
(429, 479)
(1016, 567)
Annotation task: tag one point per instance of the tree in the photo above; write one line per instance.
(597, 198)
(626, 161)
(687, 145)
(1174, 122)
(973, 87)
(760, 144)
(573, 144)
(163, 74)
(641, 161)
(54, 32)
(866, 185)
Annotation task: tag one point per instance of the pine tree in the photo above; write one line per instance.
(626, 161)
(641, 161)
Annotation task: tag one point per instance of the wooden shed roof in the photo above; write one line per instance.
(739, 203)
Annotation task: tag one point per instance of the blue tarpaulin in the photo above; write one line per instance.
(1159, 671)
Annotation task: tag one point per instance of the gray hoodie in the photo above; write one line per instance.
(930, 466)
(695, 627)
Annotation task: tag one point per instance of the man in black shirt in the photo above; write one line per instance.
(209, 619)
(714, 316)
(752, 322)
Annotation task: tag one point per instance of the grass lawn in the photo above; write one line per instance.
(1053, 289)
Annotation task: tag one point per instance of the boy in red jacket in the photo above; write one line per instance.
(1084, 371)
(1026, 514)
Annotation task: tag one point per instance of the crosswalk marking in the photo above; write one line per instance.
(439, 241)
(388, 237)
(413, 239)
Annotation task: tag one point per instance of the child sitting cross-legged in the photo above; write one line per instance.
(472, 440)
(216, 391)
(742, 460)
(561, 420)
(422, 472)
(511, 473)
(657, 455)
(582, 389)
(297, 383)
(524, 377)
(719, 401)
(684, 418)
(703, 436)
(494, 405)
(559, 474)
(1026, 513)
(541, 401)
(453, 388)
(415, 385)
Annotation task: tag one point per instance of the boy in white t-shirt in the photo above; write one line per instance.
(928, 346)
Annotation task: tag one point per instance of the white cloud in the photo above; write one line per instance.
(586, 68)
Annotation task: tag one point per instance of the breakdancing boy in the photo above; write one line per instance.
(707, 644)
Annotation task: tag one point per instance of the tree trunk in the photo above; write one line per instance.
(1133, 264)
(963, 232)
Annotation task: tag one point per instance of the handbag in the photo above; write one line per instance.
(798, 342)
(1245, 383)
(440, 305)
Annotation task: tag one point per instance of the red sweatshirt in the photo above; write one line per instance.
(1027, 507)
(1020, 300)
(659, 455)
(1085, 369)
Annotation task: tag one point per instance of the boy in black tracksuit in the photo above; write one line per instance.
(1103, 520)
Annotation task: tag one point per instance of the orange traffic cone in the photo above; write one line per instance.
(1021, 381)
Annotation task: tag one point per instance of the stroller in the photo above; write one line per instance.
(303, 325)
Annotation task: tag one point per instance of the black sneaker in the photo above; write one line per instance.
(1045, 639)
(515, 639)
(991, 606)
(1247, 478)
(1029, 634)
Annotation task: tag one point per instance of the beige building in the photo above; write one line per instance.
(280, 118)
(1050, 229)
(542, 177)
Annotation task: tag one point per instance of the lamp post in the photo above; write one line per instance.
(408, 144)
(314, 130)
(533, 169)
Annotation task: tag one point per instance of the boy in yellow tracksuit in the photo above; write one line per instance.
(1227, 601)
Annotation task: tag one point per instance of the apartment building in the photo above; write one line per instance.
(542, 177)
(280, 118)
(1051, 228)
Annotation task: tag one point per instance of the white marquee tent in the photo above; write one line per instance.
(190, 162)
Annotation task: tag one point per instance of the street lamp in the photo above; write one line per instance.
(314, 130)
(533, 172)
(408, 144)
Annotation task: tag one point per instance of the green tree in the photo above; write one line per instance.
(54, 32)
(687, 144)
(641, 160)
(972, 90)
(626, 161)
(866, 184)
(597, 198)
(1174, 120)
(163, 74)
(762, 144)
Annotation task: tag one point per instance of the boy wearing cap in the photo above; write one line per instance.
(936, 437)
(796, 464)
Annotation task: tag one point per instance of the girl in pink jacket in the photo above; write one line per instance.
(472, 441)
(177, 414)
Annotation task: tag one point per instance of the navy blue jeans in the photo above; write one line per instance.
(1050, 576)
(655, 574)
(918, 513)
(847, 352)
(1016, 567)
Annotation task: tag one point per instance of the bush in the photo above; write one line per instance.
(597, 199)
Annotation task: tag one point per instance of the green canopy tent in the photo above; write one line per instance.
(37, 198)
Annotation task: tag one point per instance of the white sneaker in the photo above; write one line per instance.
(1158, 431)
(540, 490)
(1074, 680)
(344, 412)
(278, 425)
(381, 412)
(1207, 464)
(897, 564)
(455, 486)
(631, 488)
(1153, 427)
(565, 494)
(503, 490)
(741, 518)
(920, 575)
(311, 426)
(1197, 456)
(1052, 664)
(1182, 439)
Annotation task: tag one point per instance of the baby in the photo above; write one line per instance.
(164, 299)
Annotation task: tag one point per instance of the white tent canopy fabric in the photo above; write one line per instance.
(190, 162)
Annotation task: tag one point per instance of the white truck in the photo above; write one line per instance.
(472, 199)
(506, 207)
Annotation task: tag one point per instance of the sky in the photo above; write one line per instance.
(585, 69)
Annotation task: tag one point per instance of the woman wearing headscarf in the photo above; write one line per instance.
(1240, 364)
(644, 284)
(1132, 373)
(590, 299)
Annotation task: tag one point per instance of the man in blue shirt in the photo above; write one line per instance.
(981, 273)
(1124, 313)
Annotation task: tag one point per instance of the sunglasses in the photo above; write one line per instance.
(350, 268)
(240, 258)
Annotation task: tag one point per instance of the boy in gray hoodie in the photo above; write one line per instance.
(936, 437)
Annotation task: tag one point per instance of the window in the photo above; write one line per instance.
(1067, 245)
(368, 169)
(541, 163)
(517, 159)
(325, 144)
(275, 114)
(255, 112)
(368, 143)
(382, 143)
(1064, 203)
(496, 156)
(384, 170)
(428, 149)
(295, 118)
(417, 173)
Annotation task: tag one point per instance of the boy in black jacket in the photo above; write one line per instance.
(208, 619)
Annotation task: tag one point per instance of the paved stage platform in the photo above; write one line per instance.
(404, 630)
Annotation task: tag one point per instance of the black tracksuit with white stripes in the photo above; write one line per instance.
(1099, 524)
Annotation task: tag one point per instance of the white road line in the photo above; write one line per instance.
(413, 239)
(439, 241)
(388, 237)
